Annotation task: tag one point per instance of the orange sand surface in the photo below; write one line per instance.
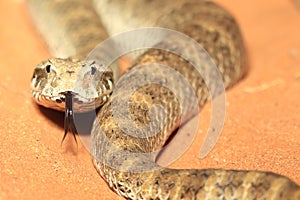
(261, 131)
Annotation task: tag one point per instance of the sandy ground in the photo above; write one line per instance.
(261, 132)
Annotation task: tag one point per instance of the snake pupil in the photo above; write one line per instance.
(93, 70)
(48, 68)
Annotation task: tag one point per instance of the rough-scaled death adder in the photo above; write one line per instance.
(72, 28)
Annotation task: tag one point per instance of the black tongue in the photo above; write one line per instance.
(69, 122)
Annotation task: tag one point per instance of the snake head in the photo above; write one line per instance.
(89, 83)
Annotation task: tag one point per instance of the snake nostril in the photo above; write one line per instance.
(70, 71)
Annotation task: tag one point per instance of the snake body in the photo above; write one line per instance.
(118, 156)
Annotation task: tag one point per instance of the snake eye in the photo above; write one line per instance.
(48, 68)
(93, 70)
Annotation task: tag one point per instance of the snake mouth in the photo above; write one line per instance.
(69, 123)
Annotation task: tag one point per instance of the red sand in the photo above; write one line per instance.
(261, 132)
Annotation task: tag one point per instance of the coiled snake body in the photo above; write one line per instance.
(72, 29)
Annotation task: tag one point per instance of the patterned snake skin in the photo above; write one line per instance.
(122, 159)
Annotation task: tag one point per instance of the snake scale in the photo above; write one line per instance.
(72, 29)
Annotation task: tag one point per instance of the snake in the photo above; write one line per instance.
(72, 28)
